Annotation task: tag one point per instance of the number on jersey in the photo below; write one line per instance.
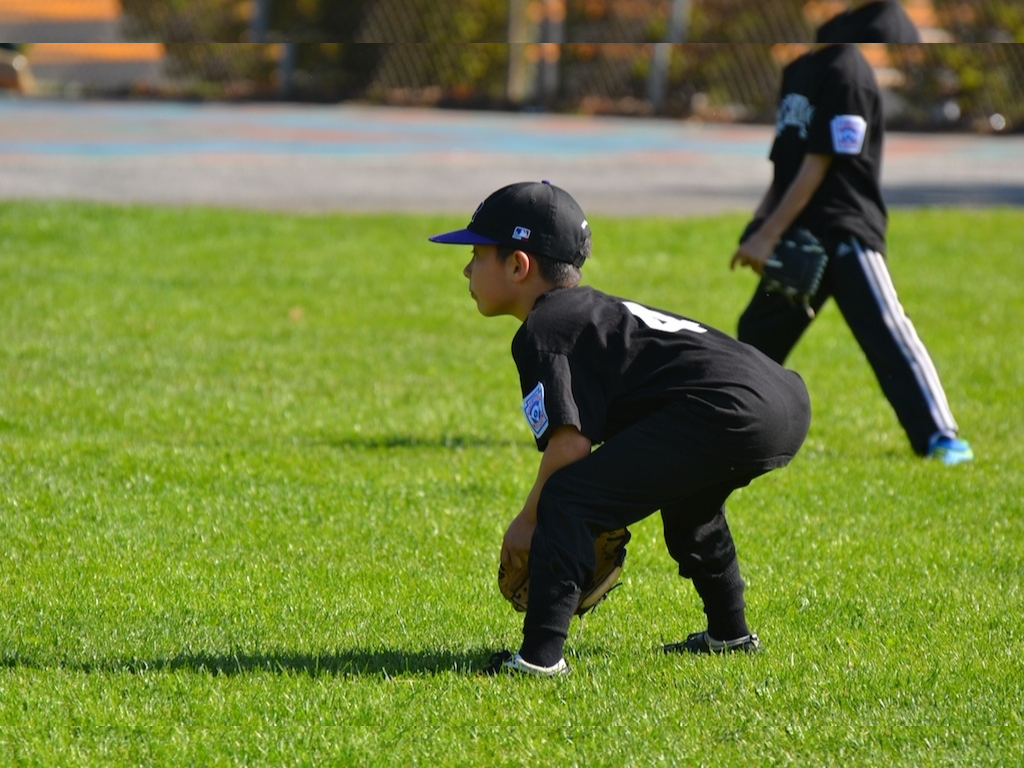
(659, 321)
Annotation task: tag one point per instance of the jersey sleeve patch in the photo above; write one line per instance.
(848, 132)
(533, 407)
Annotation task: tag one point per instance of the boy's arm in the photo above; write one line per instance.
(565, 446)
(767, 203)
(760, 213)
(755, 250)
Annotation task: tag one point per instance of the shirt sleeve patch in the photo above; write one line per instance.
(533, 407)
(848, 132)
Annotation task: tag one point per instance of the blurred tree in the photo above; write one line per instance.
(975, 86)
(976, 83)
(740, 21)
(982, 21)
(737, 76)
(360, 57)
(186, 28)
(186, 21)
(416, 51)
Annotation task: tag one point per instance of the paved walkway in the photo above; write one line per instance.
(361, 158)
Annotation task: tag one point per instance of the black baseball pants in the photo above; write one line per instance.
(675, 461)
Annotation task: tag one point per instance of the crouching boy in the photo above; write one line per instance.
(683, 415)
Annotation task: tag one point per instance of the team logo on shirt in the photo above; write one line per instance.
(533, 407)
(795, 111)
(848, 133)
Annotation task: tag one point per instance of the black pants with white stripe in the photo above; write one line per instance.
(858, 279)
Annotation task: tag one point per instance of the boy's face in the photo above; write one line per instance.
(489, 281)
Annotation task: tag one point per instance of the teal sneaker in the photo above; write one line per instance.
(949, 450)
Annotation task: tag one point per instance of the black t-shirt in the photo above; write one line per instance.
(880, 22)
(830, 105)
(601, 363)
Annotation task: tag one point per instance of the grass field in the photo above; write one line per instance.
(255, 469)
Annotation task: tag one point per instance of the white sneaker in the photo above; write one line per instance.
(512, 663)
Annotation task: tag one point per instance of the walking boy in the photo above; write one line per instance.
(683, 414)
(828, 157)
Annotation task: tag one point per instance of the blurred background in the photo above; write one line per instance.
(713, 60)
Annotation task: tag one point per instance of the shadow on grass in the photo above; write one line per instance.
(352, 663)
(376, 442)
(955, 195)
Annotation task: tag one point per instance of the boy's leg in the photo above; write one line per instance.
(865, 295)
(707, 556)
(656, 464)
(773, 324)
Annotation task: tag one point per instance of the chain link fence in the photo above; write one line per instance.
(590, 56)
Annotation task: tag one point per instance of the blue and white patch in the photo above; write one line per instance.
(533, 408)
(848, 132)
(795, 111)
(520, 233)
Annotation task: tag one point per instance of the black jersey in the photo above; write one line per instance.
(880, 22)
(601, 363)
(830, 105)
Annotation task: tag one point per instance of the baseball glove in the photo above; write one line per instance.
(609, 553)
(796, 267)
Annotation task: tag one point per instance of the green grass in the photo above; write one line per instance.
(255, 469)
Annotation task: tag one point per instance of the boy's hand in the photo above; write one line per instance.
(609, 556)
(753, 252)
(757, 249)
(515, 547)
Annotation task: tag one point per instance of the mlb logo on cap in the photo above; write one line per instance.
(548, 222)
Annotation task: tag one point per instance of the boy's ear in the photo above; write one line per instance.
(521, 264)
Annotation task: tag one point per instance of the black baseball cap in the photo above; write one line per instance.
(533, 216)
